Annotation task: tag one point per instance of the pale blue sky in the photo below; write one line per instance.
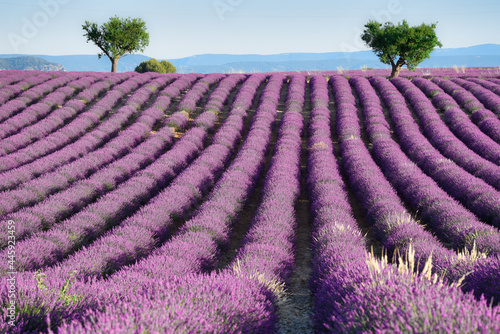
(189, 27)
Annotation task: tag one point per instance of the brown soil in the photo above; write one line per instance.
(295, 309)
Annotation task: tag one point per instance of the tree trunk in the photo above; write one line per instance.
(395, 71)
(397, 67)
(114, 64)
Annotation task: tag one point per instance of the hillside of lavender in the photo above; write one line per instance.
(289, 202)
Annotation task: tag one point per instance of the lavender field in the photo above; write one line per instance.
(250, 203)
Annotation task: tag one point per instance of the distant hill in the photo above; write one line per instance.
(29, 63)
(91, 62)
(486, 55)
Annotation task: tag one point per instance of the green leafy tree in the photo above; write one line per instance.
(153, 65)
(117, 38)
(168, 66)
(400, 45)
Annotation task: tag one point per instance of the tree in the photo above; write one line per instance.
(411, 44)
(153, 65)
(117, 38)
(168, 66)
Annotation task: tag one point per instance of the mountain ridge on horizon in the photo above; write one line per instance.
(483, 55)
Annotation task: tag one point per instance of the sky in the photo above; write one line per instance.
(185, 28)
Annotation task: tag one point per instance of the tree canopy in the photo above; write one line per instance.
(399, 45)
(153, 65)
(117, 38)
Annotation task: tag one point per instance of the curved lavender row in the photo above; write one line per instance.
(217, 303)
(449, 220)
(23, 100)
(10, 78)
(74, 139)
(182, 82)
(179, 119)
(194, 95)
(268, 248)
(37, 189)
(391, 222)
(267, 251)
(494, 80)
(44, 108)
(495, 88)
(38, 86)
(216, 102)
(238, 110)
(336, 241)
(208, 117)
(105, 83)
(173, 90)
(463, 97)
(220, 95)
(213, 106)
(385, 299)
(485, 96)
(485, 119)
(459, 122)
(151, 225)
(475, 194)
(194, 248)
(54, 121)
(11, 91)
(443, 139)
